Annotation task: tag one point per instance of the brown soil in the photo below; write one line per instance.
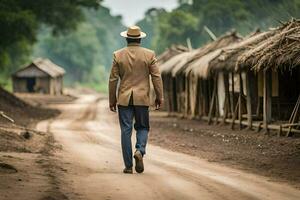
(26, 155)
(23, 113)
(274, 157)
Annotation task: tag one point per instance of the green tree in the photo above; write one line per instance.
(21, 19)
(150, 25)
(188, 20)
(87, 52)
(175, 28)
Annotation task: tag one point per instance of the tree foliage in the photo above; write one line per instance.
(188, 20)
(85, 53)
(75, 35)
(21, 19)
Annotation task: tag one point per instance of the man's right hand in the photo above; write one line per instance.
(113, 107)
(158, 104)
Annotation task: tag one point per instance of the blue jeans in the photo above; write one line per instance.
(141, 116)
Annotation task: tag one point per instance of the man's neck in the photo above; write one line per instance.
(133, 44)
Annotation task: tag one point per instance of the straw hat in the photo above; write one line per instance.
(133, 32)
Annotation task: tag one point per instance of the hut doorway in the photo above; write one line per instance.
(289, 91)
(30, 84)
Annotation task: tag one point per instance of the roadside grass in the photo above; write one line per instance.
(6, 83)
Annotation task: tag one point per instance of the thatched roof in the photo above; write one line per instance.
(170, 52)
(280, 51)
(200, 67)
(166, 67)
(183, 62)
(45, 65)
(178, 64)
(223, 41)
(203, 59)
(229, 55)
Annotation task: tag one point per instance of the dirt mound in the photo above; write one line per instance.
(20, 111)
(6, 168)
(8, 98)
(16, 140)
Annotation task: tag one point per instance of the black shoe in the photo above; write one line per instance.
(127, 171)
(139, 165)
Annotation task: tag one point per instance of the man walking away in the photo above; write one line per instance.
(133, 66)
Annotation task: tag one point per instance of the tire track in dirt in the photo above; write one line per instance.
(89, 135)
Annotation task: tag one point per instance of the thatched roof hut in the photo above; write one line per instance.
(170, 52)
(228, 57)
(279, 53)
(179, 62)
(223, 41)
(282, 50)
(201, 62)
(200, 67)
(40, 76)
(167, 66)
(183, 62)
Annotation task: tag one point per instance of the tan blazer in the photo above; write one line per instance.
(134, 65)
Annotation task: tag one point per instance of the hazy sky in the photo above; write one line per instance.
(133, 10)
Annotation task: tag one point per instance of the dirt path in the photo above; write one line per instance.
(92, 163)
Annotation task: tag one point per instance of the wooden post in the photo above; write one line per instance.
(186, 95)
(258, 106)
(217, 112)
(294, 115)
(206, 96)
(267, 98)
(167, 89)
(279, 131)
(240, 100)
(174, 93)
(200, 99)
(187, 103)
(232, 101)
(178, 93)
(249, 97)
(212, 102)
(232, 94)
(234, 114)
(227, 97)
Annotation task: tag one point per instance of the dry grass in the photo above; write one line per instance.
(170, 52)
(206, 54)
(281, 51)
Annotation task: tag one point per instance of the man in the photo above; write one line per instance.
(133, 65)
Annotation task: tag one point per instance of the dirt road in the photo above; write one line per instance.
(92, 164)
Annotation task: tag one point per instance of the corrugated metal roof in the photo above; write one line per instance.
(46, 66)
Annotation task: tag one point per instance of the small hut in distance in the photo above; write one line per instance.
(40, 76)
